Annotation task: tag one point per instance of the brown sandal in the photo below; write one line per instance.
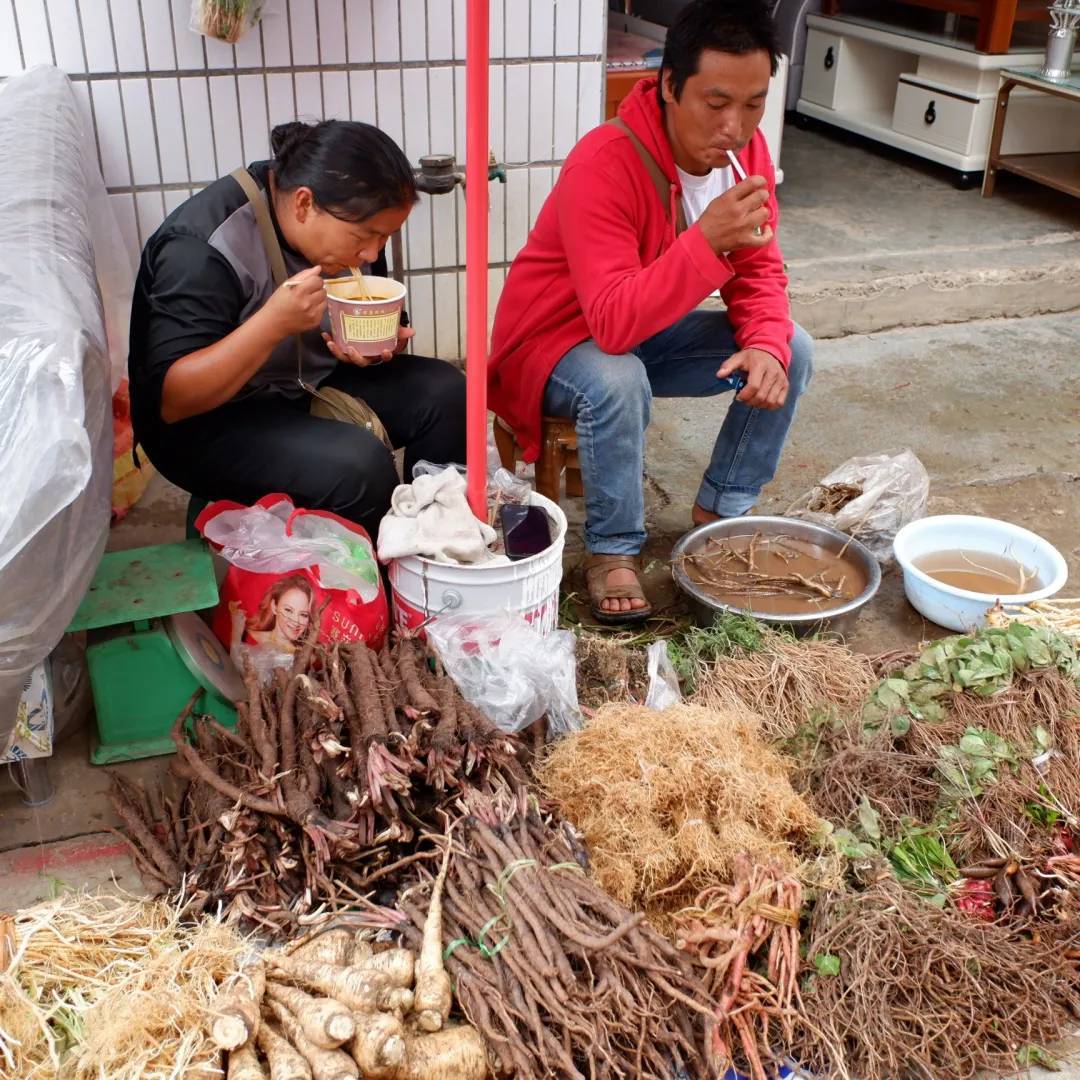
(597, 568)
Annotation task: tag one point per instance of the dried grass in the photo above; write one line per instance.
(103, 986)
(667, 800)
(788, 681)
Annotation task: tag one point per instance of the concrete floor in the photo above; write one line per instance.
(913, 353)
(875, 238)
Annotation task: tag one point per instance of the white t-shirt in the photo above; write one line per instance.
(699, 191)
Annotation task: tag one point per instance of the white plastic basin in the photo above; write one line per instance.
(961, 609)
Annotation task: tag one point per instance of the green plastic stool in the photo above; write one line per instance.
(151, 653)
(196, 505)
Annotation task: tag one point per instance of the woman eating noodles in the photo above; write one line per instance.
(236, 388)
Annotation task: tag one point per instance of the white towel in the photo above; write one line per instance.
(431, 517)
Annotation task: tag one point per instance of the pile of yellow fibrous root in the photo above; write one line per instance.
(668, 799)
(105, 986)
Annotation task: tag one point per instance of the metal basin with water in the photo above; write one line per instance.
(839, 620)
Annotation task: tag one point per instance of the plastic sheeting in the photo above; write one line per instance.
(55, 375)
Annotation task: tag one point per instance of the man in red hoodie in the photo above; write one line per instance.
(601, 309)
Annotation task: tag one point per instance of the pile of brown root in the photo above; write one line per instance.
(668, 799)
(559, 979)
(898, 987)
(320, 791)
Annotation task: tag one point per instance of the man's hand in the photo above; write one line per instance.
(350, 355)
(730, 219)
(297, 304)
(766, 380)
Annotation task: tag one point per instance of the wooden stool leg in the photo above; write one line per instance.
(504, 443)
(574, 486)
(549, 467)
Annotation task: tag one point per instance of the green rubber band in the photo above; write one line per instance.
(491, 953)
(453, 947)
(567, 866)
(508, 872)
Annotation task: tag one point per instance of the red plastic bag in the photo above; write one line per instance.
(284, 565)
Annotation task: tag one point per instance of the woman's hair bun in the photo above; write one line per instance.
(286, 137)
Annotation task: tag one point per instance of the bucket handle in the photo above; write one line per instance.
(451, 600)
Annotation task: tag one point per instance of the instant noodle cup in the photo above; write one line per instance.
(365, 315)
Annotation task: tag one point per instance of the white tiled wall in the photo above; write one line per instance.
(172, 111)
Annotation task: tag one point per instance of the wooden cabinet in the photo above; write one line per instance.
(995, 18)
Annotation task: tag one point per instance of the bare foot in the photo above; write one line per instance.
(618, 579)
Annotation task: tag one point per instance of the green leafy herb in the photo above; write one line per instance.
(697, 647)
(982, 663)
(1029, 1056)
(975, 762)
(827, 964)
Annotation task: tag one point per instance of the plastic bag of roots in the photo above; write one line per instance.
(226, 20)
(871, 498)
(509, 671)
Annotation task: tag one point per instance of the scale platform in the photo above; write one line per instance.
(150, 651)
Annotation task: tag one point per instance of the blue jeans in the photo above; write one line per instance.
(609, 398)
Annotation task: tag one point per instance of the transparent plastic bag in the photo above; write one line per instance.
(879, 493)
(429, 468)
(276, 539)
(55, 379)
(664, 690)
(509, 671)
(507, 489)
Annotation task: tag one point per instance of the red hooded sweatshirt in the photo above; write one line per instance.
(603, 262)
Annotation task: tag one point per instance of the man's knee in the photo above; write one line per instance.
(621, 390)
(359, 475)
(801, 368)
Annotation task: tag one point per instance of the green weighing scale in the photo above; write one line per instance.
(152, 652)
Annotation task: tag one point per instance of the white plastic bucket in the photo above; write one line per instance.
(528, 587)
(961, 609)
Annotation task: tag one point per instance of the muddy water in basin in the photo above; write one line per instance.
(775, 575)
(979, 571)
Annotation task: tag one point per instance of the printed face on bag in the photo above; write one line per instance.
(293, 614)
(284, 614)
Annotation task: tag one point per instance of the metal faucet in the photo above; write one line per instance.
(437, 174)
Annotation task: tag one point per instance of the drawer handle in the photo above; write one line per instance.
(830, 58)
(931, 113)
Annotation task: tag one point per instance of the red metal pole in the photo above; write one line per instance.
(476, 251)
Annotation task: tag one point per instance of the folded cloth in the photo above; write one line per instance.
(431, 517)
